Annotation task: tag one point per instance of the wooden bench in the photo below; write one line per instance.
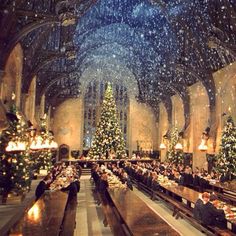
(145, 188)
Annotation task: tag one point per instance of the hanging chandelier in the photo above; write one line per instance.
(38, 143)
(162, 146)
(178, 146)
(203, 147)
(14, 146)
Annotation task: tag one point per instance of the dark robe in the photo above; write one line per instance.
(198, 209)
(73, 190)
(77, 183)
(213, 216)
(42, 186)
(103, 185)
(128, 182)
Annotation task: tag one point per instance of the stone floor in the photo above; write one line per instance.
(90, 216)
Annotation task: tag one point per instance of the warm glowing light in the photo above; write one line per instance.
(162, 146)
(178, 146)
(39, 143)
(203, 146)
(36, 143)
(46, 144)
(16, 146)
(34, 213)
(43, 172)
(54, 144)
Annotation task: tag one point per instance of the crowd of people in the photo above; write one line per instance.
(205, 210)
(61, 177)
(100, 174)
(148, 173)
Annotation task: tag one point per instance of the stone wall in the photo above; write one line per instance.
(162, 129)
(142, 127)
(29, 102)
(11, 81)
(177, 112)
(67, 123)
(199, 117)
(225, 81)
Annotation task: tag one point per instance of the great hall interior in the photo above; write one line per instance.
(117, 117)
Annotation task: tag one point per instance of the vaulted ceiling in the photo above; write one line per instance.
(166, 45)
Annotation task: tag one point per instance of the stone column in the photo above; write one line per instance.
(129, 134)
(163, 154)
(2, 74)
(42, 107)
(81, 100)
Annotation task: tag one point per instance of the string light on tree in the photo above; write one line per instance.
(175, 148)
(226, 159)
(14, 161)
(41, 146)
(108, 139)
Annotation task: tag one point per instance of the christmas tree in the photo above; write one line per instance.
(226, 159)
(42, 158)
(14, 156)
(108, 136)
(174, 155)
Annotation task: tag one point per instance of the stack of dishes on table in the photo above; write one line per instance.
(231, 214)
(164, 180)
(62, 180)
(114, 182)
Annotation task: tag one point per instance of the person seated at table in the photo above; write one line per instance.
(103, 183)
(126, 180)
(73, 189)
(187, 178)
(213, 175)
(77, 183)
(196, 179)
(197, 210)
(203, 184)
(210, 214)
(172, 173)
(103, 186)
(95, 175)
(42, 186)
(226, 176)
(177, 177)
(155, 184)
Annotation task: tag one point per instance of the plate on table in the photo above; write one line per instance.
(233, 209)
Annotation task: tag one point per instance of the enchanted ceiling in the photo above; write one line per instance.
(165, 45)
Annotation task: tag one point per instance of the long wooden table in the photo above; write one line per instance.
(189, 197)
(88, 163)
(44, 218)
(137, 216)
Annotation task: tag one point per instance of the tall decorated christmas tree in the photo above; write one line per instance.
(226, 159)
(14, 160)
(108, 136)
(174, 155)
(42, 158)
